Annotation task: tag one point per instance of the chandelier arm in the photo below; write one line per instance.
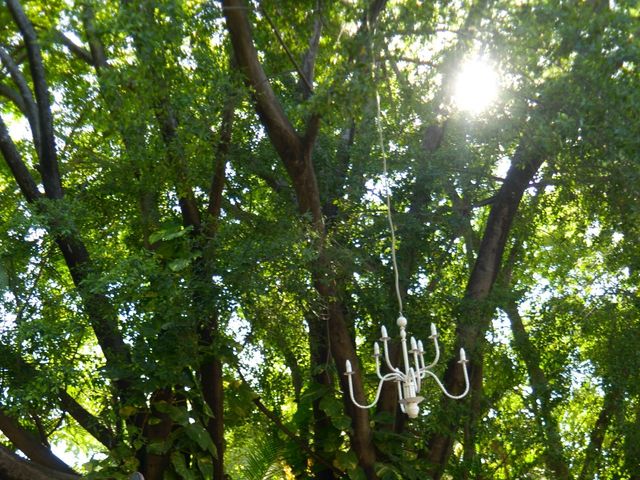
(377, 357)
(444, 390)
(386, 358)
(437, 357)
(416, 370)
(379, 390)
(400, 398)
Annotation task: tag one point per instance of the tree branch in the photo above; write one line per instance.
(16, 165)
(78, 50)
(471, 325)
(613, 398)
(167, 120)
(86, 420)
(301, 74)
(282, 134)
(309, 60)
(14, 96)
(30, 445)
(541, 392)
(12, 467)
(30, 110)
(217, 180)
(48, 160)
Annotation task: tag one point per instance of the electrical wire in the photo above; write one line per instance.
(387, 191)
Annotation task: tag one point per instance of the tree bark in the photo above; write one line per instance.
(295, 153)
(541, 393)
(610, 406)
(474, 318)
(12, 467)
(30, 446)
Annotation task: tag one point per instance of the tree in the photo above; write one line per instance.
(194, 241)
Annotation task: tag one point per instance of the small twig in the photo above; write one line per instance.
(286, 49)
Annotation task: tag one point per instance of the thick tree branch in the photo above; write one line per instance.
(78, 50)
(282, 134)
(98, 307)
(470, 327)
(12, 467)
(30, 109)
(14, 96)
(30, 445)
(48, 158)
(86, 420)
(296, 157)
(19, 170)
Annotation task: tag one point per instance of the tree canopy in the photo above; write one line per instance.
(194, 237)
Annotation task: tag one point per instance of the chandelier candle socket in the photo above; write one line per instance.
(409, 379)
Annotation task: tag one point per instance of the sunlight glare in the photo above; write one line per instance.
(476, 86)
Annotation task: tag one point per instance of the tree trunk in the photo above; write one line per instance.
(541, 393)
(610, 406)
(30, 446)
(475, 316)
(295, 153)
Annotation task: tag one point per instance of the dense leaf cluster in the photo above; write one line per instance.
(193, 237)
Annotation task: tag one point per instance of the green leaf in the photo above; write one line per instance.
(199, 434)
(335, 411)
(179, 264)
(178, 462)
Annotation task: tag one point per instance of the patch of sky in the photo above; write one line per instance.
(250, 358)
(500, 331)
(18, 127)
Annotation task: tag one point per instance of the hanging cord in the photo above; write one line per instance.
(387, 191)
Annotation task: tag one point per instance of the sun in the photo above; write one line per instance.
(476, 85)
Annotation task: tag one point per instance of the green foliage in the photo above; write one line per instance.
(140, 137)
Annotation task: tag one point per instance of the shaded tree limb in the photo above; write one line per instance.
(23, 177)
(296, 156)
(78, 50)
(309, 59)
(86, 420)
(30, 445)
(98, 56)
(301, 73)
(13, 95)
(613, 399)
(472, 324)
(29, 108)
(48, 158)
(12, 467)
(99, 310)
(541, 393)
(221, 151)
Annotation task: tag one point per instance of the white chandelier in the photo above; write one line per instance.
(409, 379)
